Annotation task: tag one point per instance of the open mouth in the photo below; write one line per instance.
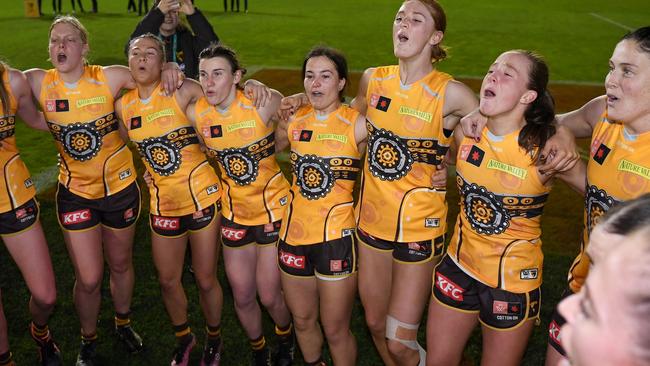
(316, 94)
(488, 93)
(61, 58)
(611, 98)
(402, 37)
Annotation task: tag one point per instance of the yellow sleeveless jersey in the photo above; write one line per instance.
(326, 163)
(497, 234)
(94, 162)
(183, 180)
(405, 143)
(16, 187)
(618, 170)
(254, 189)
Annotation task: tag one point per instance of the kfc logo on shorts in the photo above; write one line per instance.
(291, 260)
(449, 288)
(129, 214)
(166, 223)
(555, 332)
(233, 234)
(197, 214)
(75, 217)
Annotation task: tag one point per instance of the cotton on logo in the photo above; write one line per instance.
(294, 261)
(233, 234)
(75, 217)
(165, 223)
(554, 332)
(449, 288)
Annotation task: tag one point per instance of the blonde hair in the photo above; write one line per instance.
(157, 41)
(69, 19)
(438, 52)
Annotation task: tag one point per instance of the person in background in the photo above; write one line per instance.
(182, 44)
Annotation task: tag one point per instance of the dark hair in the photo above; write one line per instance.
(627, 217)
(333, 55)
(219, 50)
(641, 36)
(540, 114)
(155, 38)
(438, 52)
(4, 94)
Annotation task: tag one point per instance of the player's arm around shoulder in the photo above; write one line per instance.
(360, 102)
(27, 110)
(460, 100)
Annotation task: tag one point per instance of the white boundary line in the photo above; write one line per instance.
(605, 19)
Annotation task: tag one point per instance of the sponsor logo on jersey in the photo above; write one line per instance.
(630, 167)
(408, 111)
(164, 113)
(475, 156)
(601, 154)
(508, 169)
(284, 200)
(305, 135)
(57, 105)
(233, 234)
(528, 274)
(291, 260)
(29, 182)
(331, 136)
(125, 174)
(449, 288)
(75, 217)
(240, 125)
(96, 100)
(379, 102)
(431, 222)
(555, 332)
(347, 232)
(166, 223)
(212, 189)
(136, 122)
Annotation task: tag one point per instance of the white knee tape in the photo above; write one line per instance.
(393, 326)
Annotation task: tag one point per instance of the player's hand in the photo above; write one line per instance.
(147, 178)
(257, 92)
(289, 105)
(172, 77)
(439, 176)
(560, 152)
(473, 124)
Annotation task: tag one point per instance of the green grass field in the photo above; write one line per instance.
(576, 37)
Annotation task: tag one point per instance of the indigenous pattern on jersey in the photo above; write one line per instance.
(183, 180)
(94, 162)
(325, 162)
(497, 234)
(618, 170)
(254, 189)
(16, 186)
(406, 142)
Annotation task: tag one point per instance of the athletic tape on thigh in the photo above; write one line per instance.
(392, 326)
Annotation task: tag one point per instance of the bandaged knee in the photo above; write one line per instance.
(404, 333)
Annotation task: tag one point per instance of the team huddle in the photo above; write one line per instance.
(307, 246)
